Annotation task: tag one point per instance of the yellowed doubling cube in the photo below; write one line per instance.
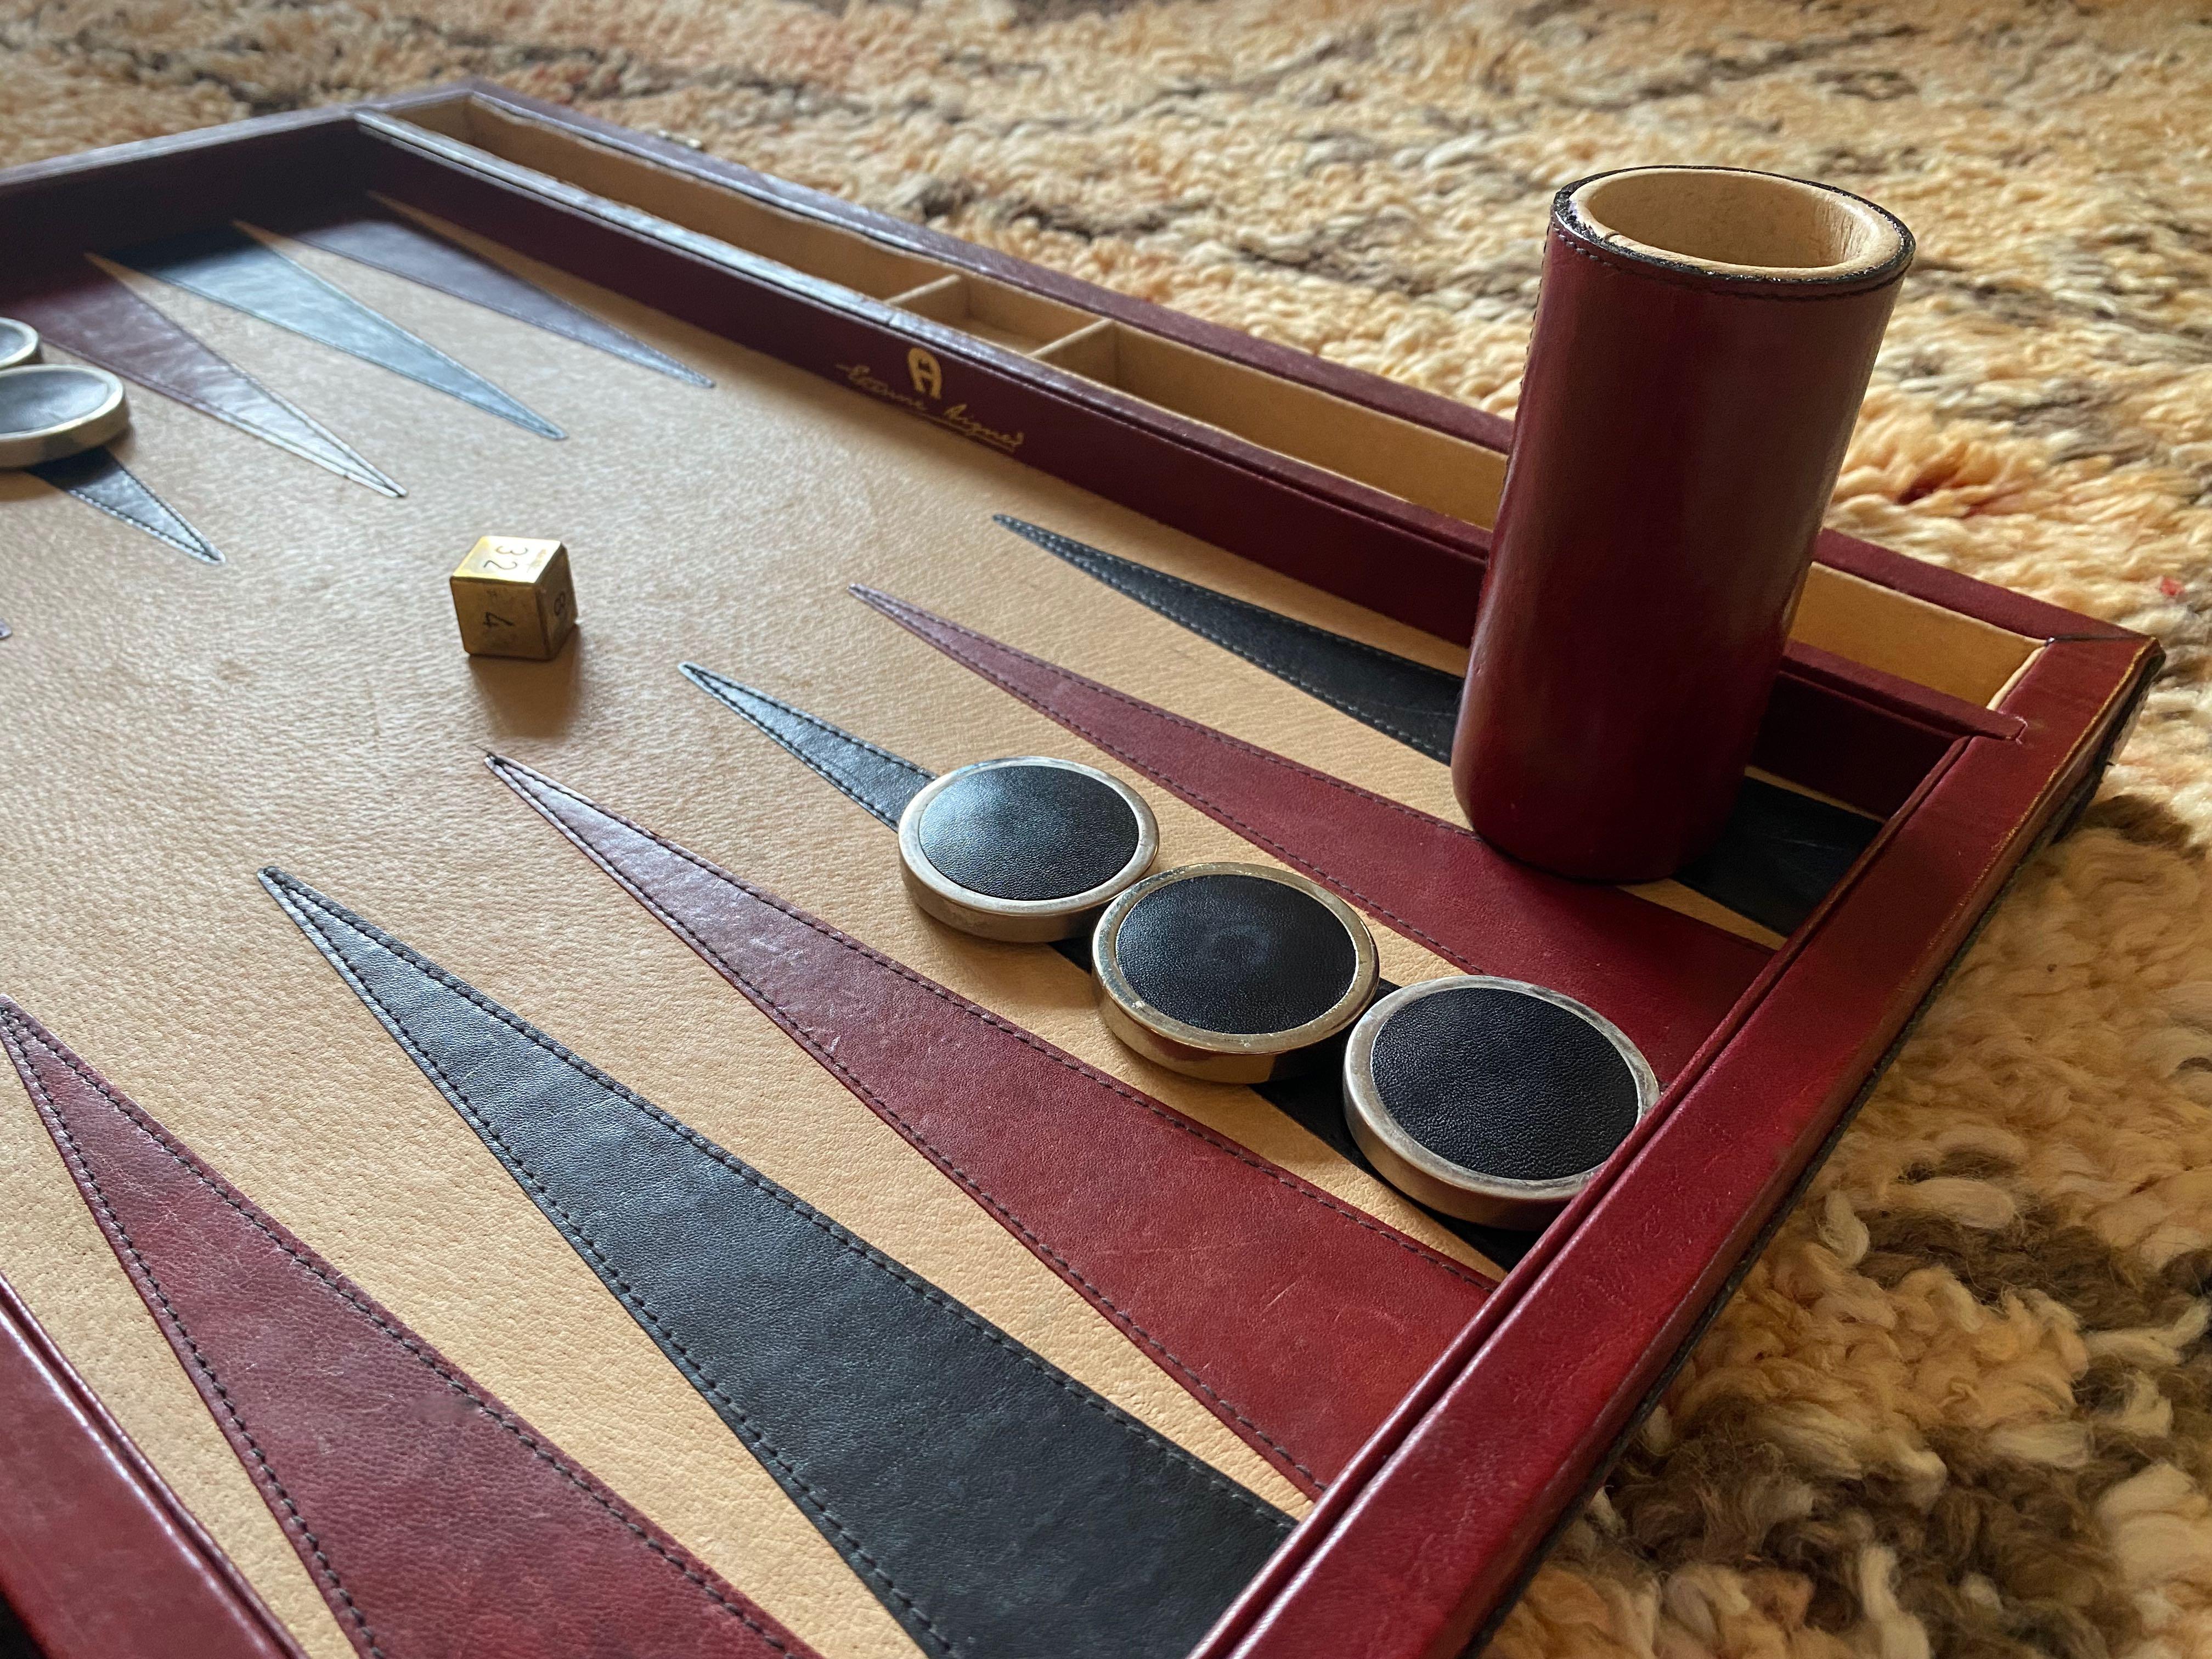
(513, 597)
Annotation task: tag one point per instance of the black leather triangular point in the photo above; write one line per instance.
(993, 1504)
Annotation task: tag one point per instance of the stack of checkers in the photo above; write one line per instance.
(50, 411)
(1486, 1099)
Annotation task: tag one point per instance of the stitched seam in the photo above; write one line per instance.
(81, 1167)
(16, 1033)
(1280, 1177)
(202, 552)
(1250, 832)
(1629, 264)
(628, 1293)
(916, 1286)
(820, 766)
(808, 1040)
(1333, 698)
(207, 407)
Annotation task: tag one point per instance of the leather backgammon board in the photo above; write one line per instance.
(503, 1166)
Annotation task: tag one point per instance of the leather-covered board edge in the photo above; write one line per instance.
(1390, 1562)
(183, 1597)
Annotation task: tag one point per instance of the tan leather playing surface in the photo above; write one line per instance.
(174, 727)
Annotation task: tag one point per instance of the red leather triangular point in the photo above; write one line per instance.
(1242, 1282)
(432, 1518)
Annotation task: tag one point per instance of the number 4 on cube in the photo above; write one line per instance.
(512, 596)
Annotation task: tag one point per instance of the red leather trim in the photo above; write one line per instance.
(1901, 699)
(1666, 979)
(433, 1519)
(158, 186)
(1295, 1320)
(1846, 746)
(1394, 1564)
(98, 1558)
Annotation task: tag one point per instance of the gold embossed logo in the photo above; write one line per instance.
(926, 373)
(929, 377)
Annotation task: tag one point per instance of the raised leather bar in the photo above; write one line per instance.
(97, 1556)
(1702, 343)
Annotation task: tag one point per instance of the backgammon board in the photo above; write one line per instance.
(502, 1166)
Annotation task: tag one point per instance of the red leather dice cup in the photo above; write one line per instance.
(1702, 345)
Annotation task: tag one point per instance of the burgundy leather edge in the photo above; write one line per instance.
(1883, 565)
(1408, 402)
(1844, 745)
(1905, 699)
(1453, 1563)
(159, 186)
(139, 152)
(83, 1499)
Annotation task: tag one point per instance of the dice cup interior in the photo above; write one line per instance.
(1702, 342)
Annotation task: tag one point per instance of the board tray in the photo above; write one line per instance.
(1974, 721)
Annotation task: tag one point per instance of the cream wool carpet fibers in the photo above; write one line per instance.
(1963, 1404)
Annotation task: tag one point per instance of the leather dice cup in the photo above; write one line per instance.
(1702, 343)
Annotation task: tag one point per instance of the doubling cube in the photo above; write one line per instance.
(513, 598)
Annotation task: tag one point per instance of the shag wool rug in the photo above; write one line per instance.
(1963, 1404)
